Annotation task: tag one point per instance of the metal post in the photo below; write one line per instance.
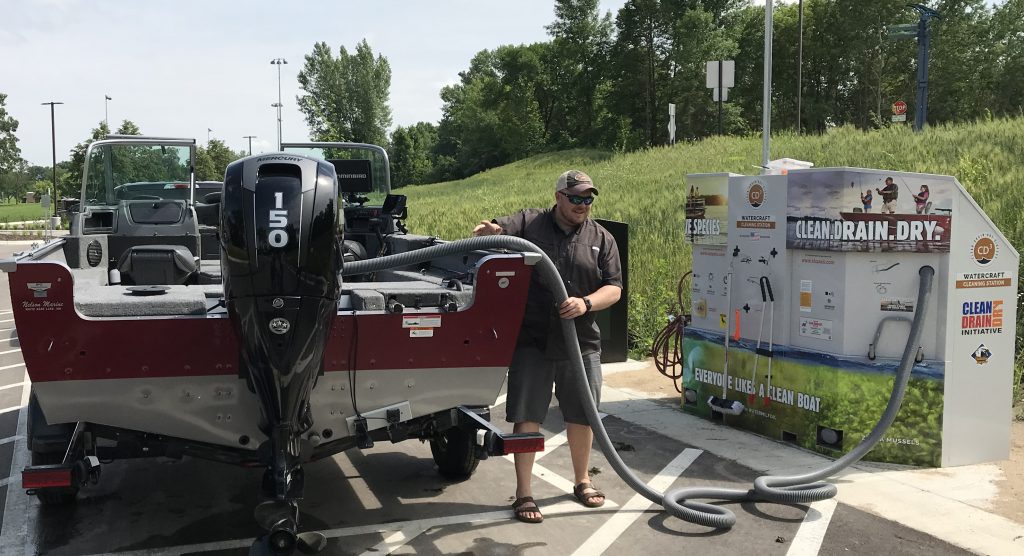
(921, 110)
(279, 105)
(799, 65)
(279, 62)
(720, 95)
(923, 39)
(106, 110)
(766, 116)
(53, 138)
(250, 138)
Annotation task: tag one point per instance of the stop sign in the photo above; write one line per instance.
(899, 107)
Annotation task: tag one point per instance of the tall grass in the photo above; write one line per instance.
(646, 190)
(20, 212)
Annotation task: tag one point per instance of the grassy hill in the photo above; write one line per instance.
(645, 189)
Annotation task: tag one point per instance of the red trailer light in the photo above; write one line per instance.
(514, 444)
(50, 477)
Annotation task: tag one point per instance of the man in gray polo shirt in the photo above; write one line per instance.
(588, 260)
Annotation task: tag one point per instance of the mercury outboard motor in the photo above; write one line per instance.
(281, 260)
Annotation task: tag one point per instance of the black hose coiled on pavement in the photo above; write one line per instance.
(679, 502)
(667, 350)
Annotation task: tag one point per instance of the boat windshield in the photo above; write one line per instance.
(124, 172)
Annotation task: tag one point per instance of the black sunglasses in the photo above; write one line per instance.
(578, 199)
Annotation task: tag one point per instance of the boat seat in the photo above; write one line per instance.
(148, 265)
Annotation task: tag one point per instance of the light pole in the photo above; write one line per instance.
(799, 63)
(766, 107)
(53, 138)
(278, 62)
(106, 110)
(250, 138)
(208, 130)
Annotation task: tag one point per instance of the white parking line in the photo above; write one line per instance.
(637, 505)
(14, 366)
(419, 524)
(16, 350)
(10, 439)
(10, 409)
(807, 540)
(14, 530)
(394, 541)
(15, 385)
(7, 320)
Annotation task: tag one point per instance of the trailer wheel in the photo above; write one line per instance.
(454, 452)
(47, 444)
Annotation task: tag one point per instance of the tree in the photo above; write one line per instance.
(412, 154)
(1008, 49)
(212, 160)
(128, 127)
(496, 114)
(10, 154)
(576, 62)
(346, 98)
(72, 181)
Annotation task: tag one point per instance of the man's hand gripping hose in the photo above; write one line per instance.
(680, 502)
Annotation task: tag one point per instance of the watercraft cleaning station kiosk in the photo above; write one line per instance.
(804, 288)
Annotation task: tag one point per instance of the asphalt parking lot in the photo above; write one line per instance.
(390, 499)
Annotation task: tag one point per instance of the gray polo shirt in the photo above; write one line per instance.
(587, 259)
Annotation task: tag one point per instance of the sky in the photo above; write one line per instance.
(180, 67)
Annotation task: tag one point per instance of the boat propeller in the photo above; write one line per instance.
(281, 519)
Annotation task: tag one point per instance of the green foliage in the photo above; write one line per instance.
(71, 183)
(10, 154)
(606, 84)
(646, 190)
(412, 154)
(212, 160)
(346, 97)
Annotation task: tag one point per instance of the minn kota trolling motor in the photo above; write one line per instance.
(280, 237)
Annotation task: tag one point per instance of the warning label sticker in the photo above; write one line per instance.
(421, 332)
(816, 328)
(421, 321)
(898, 304)
(805, 296)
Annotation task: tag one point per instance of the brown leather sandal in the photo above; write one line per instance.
(525, 505)
(587, 498)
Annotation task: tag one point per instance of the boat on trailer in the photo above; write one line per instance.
(172, 323)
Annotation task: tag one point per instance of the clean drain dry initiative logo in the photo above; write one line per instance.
(984, 250)
(981, 317)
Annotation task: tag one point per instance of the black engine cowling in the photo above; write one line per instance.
(281, 261)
